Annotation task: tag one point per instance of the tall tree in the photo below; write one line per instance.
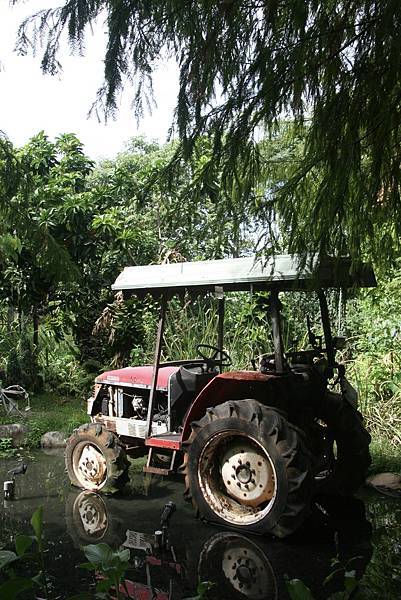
(11, 178)
(40, 217)
(332, 64)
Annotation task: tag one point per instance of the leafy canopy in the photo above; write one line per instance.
(331, 65)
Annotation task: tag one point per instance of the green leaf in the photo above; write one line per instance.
(23, 543)
(37, 522)
(103, 585)
(350, 581)
(332, 575)
(7, 557)
(123, 555)
(88, 566)
(38, 578)
(203, 587)
(10, 589)
(297, 590)
(98, 553)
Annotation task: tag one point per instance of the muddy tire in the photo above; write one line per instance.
(353, 459)
(95, 459)
(246, 467)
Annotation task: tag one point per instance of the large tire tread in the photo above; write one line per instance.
(352, 440)
(290, 447)
(112, 449)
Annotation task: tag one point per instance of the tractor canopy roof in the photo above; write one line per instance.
(282, 272)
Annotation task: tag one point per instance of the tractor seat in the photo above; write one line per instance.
(185, 385)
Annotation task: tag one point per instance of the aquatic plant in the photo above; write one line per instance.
(110, 567)
(16, 584)
(6, 448)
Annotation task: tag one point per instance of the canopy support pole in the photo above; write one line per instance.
(156, 364)
(276, 330)
(328, 339)
(220, 327)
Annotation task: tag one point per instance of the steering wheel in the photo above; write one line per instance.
(213, 361)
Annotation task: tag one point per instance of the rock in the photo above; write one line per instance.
(53, 439)
(16, 432)
(388, 484)
(390, 480)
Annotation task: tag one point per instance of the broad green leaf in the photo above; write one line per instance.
(7, 557)
(37, 522)
(13, 587)
(203, 587)
(23, 543)
(38, 578)
(103, 585)
(350, 581)
(297, 590)
(123, 555)
(88, 566)
(98, 553)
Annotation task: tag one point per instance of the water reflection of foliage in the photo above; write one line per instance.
(383, 575)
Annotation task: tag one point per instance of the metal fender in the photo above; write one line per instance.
(234, 385)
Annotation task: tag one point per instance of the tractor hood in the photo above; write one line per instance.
(137, 377)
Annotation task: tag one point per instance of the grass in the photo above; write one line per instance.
(50, 413)
(385, 457)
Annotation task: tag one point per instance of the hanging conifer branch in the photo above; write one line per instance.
(243, 65)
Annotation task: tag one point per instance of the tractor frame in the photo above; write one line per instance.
(256, 445)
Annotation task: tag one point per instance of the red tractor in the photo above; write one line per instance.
(256, 444)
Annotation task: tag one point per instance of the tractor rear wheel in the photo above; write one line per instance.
(352, 457)
(95, 459)
(247, 467)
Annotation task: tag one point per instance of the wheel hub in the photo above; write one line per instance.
(247, 474)
(92, 465)
(244, 474)
(246, 572)
(92, 514)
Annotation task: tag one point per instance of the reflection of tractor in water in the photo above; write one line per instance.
(256, 444)
(239, 566)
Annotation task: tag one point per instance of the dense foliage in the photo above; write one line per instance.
(68, 229)
(333, 66)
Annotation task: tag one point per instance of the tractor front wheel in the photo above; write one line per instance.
(247, 467)
(95, 459)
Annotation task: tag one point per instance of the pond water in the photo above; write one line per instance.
(364, 533)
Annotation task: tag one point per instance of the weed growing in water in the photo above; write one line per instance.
(6, 448)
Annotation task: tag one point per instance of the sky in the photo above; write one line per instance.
(31, 102)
